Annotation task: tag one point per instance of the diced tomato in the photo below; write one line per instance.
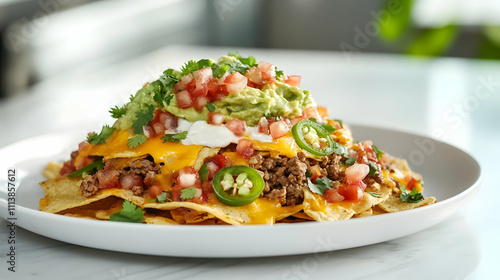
(155, 190)
(200, 102)
(244, 148)
(215, 118)
(200, 90)
(235, 82)
(356, 172)
(333, 196)
(169, 122)
(297, 119)
(212, 86)
(130, 180)
(188, 177)
(108, 178)
(67, 168)
(184, 99)
(149, 132)
(268, 71)
(220, 160)
(212, 168)
(159, 128)
(82, 145)
(202, 76)
(293, 80)
(312, 113)
(411, 182)
(315, 171)
(279, 129)
(238, 127)
(352, 192)
(263, 126)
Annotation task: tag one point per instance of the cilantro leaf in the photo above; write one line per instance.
(143, 118)
(116, 112)
(374, 194)
(136, 141)
(175, 137)
(348, 161)
(279, 73)
(90, 168)
(329, 128)
(339, 149)
(96, 139)
(373, 168)
(378, 153)
(188, 193)
(203, 172)
(211, 107)
(321, 185)
(412, 197)
(308, 174)
(130, 213)
(203, 63)
(189, 67)
(170, 77)
(164, 197)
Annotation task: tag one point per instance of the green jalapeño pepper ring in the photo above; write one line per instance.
(237, 185)
(315, 138)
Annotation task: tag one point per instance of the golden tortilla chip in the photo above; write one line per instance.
(393, 204)
(52, 170)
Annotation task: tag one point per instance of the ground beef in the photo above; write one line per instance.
(145, 169)
(286, 177)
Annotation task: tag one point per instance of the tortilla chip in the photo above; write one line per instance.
(52, 170)
(184, 215)
(158, 220)
(204, 153)
(319, 210)
(64, 193)
(393, 204)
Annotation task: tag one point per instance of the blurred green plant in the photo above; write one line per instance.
(431, 42)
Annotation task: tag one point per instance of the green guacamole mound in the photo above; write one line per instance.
(277, 100)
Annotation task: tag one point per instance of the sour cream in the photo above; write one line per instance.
(202, 133)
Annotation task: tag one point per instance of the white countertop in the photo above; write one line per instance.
(454, 100)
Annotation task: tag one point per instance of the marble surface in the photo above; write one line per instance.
(453, 100)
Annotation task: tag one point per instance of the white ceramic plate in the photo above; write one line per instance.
(450, 174)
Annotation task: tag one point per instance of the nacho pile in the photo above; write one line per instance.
(227, 142)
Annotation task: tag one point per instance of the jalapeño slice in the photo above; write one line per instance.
(237, 185)
(314, 138)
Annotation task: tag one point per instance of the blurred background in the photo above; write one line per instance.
(47, 38)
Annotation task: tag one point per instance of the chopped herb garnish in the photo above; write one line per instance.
(188, 193)
(143, 118)
(136, 141)
(279, 73)
(175, 137)
(130, 213)
(189, 67)
(170, 77)
(90, 168)
(116, 112)
(412, 196)
(164, 197)
(321, 185)
(211, 107)
(374, 194)
(329, 128)
(378, 153)
(373, 168)
(348, 161)
(203, 172)
(96, 139)
(308, 174)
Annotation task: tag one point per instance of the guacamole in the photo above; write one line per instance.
(277, 99)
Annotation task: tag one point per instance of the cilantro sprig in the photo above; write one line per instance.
(96, 139)
(188, 193)
(142, 119)
(116, 112)
(320, 186)
(178, 137)
(412, 196)
(130, 213)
